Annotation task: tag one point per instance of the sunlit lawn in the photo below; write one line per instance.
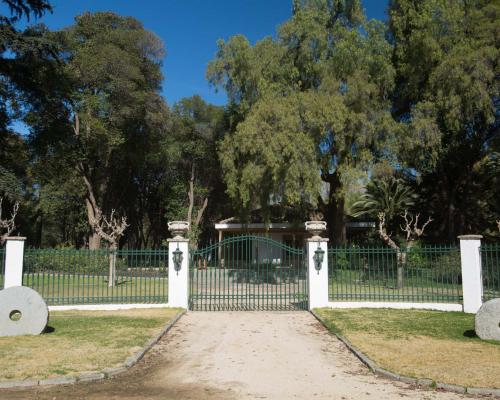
(424, 344)
(81, 341)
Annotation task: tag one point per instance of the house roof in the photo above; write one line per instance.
(283, 226)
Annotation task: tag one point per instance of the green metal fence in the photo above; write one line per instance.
(248, 273)
(2, 267)
(429, 274)
(82, 276)
(490, 263)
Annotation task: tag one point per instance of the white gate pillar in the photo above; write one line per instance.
(178, 265)
(14, 255)
(472, 281)
(317, 262)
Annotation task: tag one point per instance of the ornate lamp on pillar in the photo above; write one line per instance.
(317, 247)
(178, 269)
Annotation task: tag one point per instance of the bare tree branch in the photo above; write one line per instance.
(7, 225)
(498, 225)
(411, 228)
(383, 232)
(110, 229)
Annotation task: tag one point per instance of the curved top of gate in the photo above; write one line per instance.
(246, 238)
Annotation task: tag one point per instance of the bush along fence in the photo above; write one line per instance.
(441, 277)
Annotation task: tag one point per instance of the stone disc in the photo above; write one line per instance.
(488, 320)
(22, 312)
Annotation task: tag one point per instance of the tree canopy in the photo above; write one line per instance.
(349, 117)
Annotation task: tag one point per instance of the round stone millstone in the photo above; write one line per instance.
(22, 312)
(488, 320)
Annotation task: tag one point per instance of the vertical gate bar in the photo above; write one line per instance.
(279, 268)
(217, 272)
(267, 283)
(258, 280)
(234, 276)
(246, 300)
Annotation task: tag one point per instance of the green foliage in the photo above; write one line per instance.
(69, 261)
(10, 187)
(390, 196)
(311, 104)
(447, 58)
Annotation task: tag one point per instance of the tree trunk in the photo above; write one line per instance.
(94, 238)
(338, 231)
(401, 260)
(112, 266)
(335, 210)
(94, 241)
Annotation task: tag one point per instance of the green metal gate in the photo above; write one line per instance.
(248, 273)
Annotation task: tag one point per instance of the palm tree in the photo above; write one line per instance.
(389, 196)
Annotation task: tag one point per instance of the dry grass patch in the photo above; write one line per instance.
(425, 344)
(80, 341)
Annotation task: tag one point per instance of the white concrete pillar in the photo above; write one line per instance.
(14, 255)
(318, 279)
(472, 281)
(178, 281)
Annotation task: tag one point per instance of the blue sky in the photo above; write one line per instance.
(190, 29)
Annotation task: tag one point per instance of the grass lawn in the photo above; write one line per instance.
(81, 341)
(424, 344)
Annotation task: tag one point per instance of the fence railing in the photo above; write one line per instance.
(429, 274)
(490, 263)
(82, 276)
(2, 267)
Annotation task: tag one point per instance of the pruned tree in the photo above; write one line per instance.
(411, 229)
(111, 230)
(498, 225)
(7, 225)
(412, 233)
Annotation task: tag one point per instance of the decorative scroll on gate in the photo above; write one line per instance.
(248, 273)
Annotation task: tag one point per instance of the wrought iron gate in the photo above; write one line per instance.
(248, 273)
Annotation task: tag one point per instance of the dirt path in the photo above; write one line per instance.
(242, 355)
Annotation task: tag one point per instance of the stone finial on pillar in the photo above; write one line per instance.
(472, 282)
(317, 259)
(14, 257)
(178, 265)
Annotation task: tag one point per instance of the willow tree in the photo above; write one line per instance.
(311, 109)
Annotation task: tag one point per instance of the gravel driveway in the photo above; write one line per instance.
(242, 355)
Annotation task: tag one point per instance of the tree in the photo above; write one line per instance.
(110, 229)
(389, 196)
(15, 46)
(310, 106)
(7, 225)
(447, 57)
(110, 106)
(412, 233)
(197, 126)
